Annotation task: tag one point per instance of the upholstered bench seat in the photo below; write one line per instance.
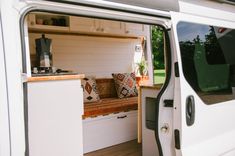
(109, 121)
(109, 102)
(110, 105)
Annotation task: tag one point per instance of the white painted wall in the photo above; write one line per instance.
(98, 56)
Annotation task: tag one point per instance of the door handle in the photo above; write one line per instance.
(190, 110)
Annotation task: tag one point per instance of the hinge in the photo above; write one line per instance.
(176, 69)
(24, 77)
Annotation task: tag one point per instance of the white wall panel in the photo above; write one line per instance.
(55, 121)
(98, 56)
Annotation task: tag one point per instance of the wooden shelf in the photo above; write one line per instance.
(81, 33)
(49, 28)
(48, 22)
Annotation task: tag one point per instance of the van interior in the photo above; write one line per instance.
(100, 51)
(104, 53)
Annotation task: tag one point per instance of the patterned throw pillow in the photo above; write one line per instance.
(125, 84)
(90, 93)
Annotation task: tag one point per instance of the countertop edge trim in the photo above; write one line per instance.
(55, 78)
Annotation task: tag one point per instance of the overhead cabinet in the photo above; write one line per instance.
(83, 25)
(91, 25)
(47, 22)
(135, 29)
(112, 27)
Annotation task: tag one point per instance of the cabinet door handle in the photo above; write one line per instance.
(122, 117)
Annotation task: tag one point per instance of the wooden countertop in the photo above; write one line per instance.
(55, 77)
(156, 86)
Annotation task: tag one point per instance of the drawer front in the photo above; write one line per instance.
(109, 130)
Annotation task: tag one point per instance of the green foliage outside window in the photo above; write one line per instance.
(158, 47)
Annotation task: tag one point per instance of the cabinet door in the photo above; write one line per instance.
(134, 29)
(55, 119)
(82, 24)
(111, 27)
(31, 20)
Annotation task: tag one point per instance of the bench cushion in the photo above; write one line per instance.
(125, 84)
(90, 92)
(110, 105)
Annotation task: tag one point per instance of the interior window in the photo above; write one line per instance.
(158, 54)
(208, 60)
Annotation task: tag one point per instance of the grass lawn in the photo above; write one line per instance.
(159, 76)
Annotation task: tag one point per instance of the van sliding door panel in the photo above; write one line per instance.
(204, 99)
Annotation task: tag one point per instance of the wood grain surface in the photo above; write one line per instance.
(110, 105)
(131, 148)
(53, 78)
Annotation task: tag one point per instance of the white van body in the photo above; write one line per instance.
(213, 131)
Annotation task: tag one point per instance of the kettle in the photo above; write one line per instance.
(43, 52)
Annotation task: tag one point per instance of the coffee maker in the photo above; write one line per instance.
(43, 54)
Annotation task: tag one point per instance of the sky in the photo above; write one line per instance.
(188, 31)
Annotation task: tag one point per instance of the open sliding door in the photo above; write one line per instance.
(204, 106)
(4, 116)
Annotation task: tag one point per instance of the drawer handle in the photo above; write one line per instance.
(121, 117)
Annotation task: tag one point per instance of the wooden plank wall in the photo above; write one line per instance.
(91, 55)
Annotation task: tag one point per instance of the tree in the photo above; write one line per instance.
(214, 53)
(158, 47)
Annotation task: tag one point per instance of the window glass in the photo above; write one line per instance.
(208, 60)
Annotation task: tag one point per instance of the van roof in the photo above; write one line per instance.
(218, 9)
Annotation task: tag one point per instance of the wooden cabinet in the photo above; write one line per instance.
(134, 29)
(48, 22)
(111, 27)
(82, 24)
(91, 26)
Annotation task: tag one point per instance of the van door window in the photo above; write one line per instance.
(208, 60)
